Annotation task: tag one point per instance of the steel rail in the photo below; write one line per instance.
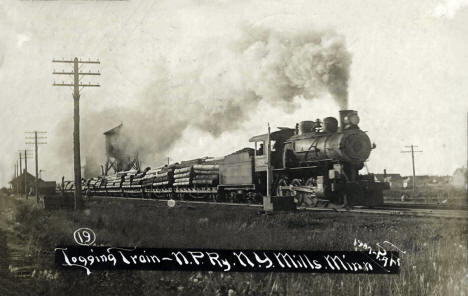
(402, 212)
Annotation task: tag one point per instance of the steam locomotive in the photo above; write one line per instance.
(317, 163)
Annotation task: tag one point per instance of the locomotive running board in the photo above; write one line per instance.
(295, 169)
(298, 188)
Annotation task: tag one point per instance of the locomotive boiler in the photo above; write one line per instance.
(316, 141)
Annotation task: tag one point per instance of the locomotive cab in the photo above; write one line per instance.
(277, 140)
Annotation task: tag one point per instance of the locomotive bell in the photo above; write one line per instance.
(330, 125)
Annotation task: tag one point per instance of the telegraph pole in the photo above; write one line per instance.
(26, 193)
(20, 173)
(76, 115)
(24, 173)
(36, 143)
(412, 151)
(267, 205)
(16, 173)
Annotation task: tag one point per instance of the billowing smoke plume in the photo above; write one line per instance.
(216, 89)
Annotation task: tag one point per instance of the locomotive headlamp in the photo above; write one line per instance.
(353, 119)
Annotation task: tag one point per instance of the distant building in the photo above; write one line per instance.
(119, 152)
(398, 181)
(113, 142)
(426, 180)
(459, 178)
(45, 187)
(395, 180)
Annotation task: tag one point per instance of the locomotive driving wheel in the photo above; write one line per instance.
(298, 196)
(311, 199)
(283, 181)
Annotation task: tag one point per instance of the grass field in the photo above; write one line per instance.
(430, 193)
(435, 262)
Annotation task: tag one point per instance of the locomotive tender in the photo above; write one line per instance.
(317, 163)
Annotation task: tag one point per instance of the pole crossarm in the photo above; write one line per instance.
(27, 152)
(411, 151)
(80, 85)
(79, 61)
(79, 73)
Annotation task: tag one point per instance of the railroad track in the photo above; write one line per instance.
(435, 206)
(388, 209)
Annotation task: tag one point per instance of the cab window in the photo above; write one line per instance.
(273, 145)
(259, 148)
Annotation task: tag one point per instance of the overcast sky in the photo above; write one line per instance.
(408, 76)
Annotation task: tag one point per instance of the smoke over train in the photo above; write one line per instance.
(216, 87)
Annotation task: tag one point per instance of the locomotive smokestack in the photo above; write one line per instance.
(348, 118)
(343, 114)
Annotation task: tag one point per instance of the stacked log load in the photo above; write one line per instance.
(113, 181)
(137, 180)
(205, 174)
(197, 174)
(164, 177)
(94, 183)
(127, 181)
(183, 176)
(98, 185)
(149, 178)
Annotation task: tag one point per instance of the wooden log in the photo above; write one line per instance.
(206, 167)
